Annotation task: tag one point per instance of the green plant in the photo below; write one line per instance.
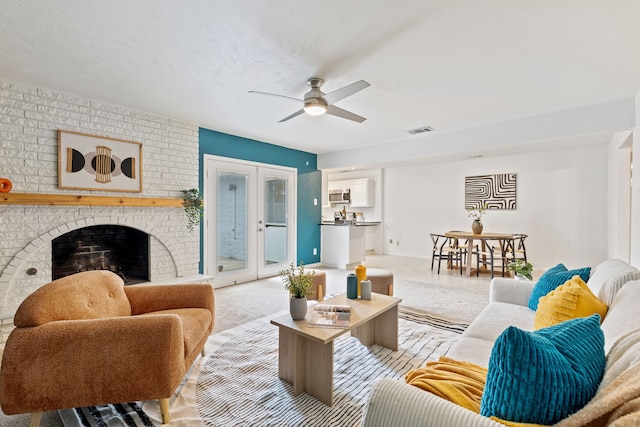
(299, 282)
(192, 203)
(521, 267)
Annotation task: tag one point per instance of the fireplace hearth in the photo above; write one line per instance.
(122, 250)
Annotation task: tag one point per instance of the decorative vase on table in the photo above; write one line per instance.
(476, 226)
(298, 307)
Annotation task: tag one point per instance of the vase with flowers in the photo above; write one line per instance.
(476, 214)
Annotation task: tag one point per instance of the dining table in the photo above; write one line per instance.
(470, 237)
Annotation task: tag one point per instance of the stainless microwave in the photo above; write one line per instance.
(340, 196)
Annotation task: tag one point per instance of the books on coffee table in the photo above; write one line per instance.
(330, 316)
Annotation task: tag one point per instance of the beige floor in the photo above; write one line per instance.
(448, 294)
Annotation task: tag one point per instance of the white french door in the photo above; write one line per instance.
(250, 228)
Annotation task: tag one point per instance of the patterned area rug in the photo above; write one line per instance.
(120, 414)
(237, 383)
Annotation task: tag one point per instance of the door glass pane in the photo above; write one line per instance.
(275, 239)
(232, 221)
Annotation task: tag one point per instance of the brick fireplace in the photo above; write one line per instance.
(29, 125)
(122, 250)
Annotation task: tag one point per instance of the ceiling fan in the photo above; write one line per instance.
(317, 102)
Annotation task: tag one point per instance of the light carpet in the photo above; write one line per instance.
(237, 383)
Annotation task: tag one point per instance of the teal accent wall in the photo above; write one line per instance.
(309, 181)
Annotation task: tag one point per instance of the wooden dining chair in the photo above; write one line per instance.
(497, 251)
(519, 251)
(445, 248)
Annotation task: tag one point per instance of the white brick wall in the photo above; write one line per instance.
(29, 122)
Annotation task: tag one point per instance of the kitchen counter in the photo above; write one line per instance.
(342, 245)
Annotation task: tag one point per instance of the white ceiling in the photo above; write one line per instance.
(448, 64)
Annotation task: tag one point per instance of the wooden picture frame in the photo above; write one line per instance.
(90, 162)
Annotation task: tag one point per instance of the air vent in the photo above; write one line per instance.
(420, 130)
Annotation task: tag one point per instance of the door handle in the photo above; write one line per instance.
(259, 229)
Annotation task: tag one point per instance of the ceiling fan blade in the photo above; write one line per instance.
(275, 94)
(297, 113)
(339, 112)
(342, 93)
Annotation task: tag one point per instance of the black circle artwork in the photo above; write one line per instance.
(77, 161)
(126, 166)
(98, 158)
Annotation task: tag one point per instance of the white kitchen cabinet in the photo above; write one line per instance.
(361, 193)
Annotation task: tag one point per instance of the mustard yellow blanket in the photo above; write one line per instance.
(459, 382)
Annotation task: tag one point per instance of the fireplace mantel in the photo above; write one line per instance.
(83, 200)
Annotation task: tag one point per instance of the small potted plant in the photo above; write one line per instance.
(521, 269)
(192, 203)
(298, 282)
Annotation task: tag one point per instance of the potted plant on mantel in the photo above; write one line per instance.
(521, 269)
(192, 203)
(298, 282)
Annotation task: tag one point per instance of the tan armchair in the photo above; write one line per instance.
(87, 339)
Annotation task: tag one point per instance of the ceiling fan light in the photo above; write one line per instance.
(315, 106)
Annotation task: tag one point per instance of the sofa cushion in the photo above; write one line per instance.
(96, 295)
(496, 316)
(609, 276)
(568, 301)
(472, 350)
(551, 280)
(543, 376)
(623, 316)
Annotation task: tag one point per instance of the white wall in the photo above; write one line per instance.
(561, 204)
(635, 192)
(619, 195)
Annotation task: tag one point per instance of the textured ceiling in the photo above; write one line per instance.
(446, 64)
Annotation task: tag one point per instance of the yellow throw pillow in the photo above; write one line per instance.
(568, 301)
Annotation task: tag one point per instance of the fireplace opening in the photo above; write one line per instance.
(122, 250)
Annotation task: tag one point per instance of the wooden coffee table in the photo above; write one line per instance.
(306, 353)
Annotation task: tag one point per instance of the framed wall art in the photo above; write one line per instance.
(89, 162)
(490, 191)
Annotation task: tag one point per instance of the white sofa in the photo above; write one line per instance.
(394, 403)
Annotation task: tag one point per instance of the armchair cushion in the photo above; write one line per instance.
(96, 294)
(195, 324)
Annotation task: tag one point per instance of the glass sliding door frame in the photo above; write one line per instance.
(249, 219)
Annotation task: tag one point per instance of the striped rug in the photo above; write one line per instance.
(238, 384)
